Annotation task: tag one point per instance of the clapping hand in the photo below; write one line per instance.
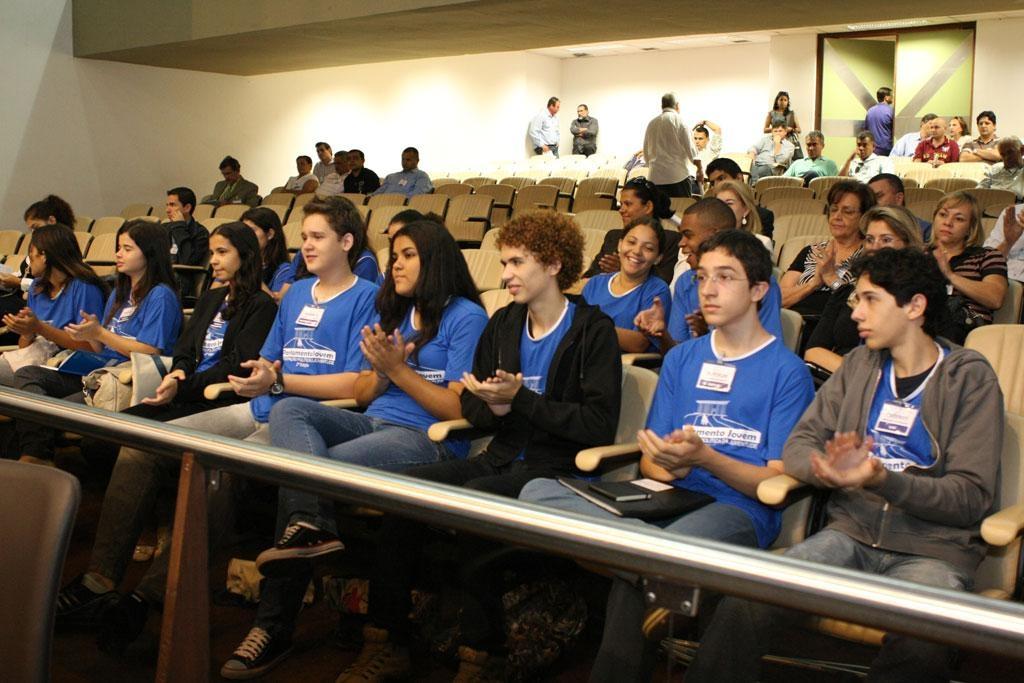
(497, 391)
(651, 321)
(848, 463)
(676, 452)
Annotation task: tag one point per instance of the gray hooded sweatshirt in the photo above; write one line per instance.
(933, 512)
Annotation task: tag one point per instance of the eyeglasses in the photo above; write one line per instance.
(724, 279)
(882, 240)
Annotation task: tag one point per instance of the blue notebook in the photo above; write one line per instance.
(81, 363)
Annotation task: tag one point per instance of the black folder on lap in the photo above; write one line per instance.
(674, 502)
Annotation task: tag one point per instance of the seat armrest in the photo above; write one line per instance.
(348, 403)
(641, 359)
(777, 490)
(590, 459)
(188, 268)
(214, 391)
(1003, 527)
(439, 431)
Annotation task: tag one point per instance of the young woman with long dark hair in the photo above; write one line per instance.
(63, 285)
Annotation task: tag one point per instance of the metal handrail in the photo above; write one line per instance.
(942, 615)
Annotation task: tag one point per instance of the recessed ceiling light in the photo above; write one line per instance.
(593, 48)
(881, 25)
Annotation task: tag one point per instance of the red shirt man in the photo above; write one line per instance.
(937, 149)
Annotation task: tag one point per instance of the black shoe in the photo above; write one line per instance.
(80, 607)
(299, 543)
(256, 655)
(121, 623)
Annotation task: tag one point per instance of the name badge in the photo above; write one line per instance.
(716, 377)
(896, 419)
(403, 182)
(174, 248)
(310, 316)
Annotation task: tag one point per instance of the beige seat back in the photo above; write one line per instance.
(534, 197)
(1009, 312)
(386, 199)
(493, 299)
(469, 216)
(1001, 345)
(598, 219)
(430, 203)
(230, 211)
(766, 195)
(136, 211)
(453, 189)
(484, 267)
(792, 326)
(106, 224)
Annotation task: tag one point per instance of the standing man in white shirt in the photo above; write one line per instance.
(669, 150)
(544, 129)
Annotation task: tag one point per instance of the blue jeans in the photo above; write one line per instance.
(741, 632)
(625, 654)
(307, 426)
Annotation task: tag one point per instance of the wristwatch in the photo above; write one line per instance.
(277, 388)
(836, 285)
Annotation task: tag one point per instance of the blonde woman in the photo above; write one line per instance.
(740, 200)
(976, 275)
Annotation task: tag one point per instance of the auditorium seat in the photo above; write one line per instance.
(821, 186)
(380, 218)
(386, 199)
(794, 245)
(441, 182)
(484, 267)
(469, 216)
(203, 211)
(912, 195)
(592, 243)
(924, 210)
(476, 181)
(83, 239)
(991, 200)
(566, 186)
(136, 211)
(1009, 312)
(357, 198)
(493, 299)
(37, 515)
(278, 199)
(1001, 346)
(518, 182)
(301, 200)
(742, 159)
(792, 328)
(490, 240)
(769, 195)
(503, 196)
(453, 189)
(949, 184)
(430, 203)
(599, 220)
(83, 223)
(101, 253)
(293, 236)
(102, 226)
(595, 192)
(9, 241)
(231, 211)
(784, 207)
(680, 204)
(534, 197)
(212, 224)
(281, 210)
(776, 182)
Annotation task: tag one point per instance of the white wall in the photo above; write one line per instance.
(104, 134)
(792, 66)
(727, 85)
(998, 77)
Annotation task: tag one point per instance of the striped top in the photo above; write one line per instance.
(976, 263)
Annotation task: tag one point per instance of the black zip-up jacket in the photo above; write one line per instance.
(580, 405)
(243, 340)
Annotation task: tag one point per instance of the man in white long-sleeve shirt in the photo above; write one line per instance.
(544, 129)
(669, 151)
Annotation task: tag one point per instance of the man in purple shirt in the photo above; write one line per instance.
(879, 121)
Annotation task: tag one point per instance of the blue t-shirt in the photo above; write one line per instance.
(367, 268)
(76, 296)
(326, 347)
(156, 321)
(623, 308)
(686, 301)
(213, 342)
(750, 421)
(441, 360)
(535, 355)
(283, 275)
(901, 440)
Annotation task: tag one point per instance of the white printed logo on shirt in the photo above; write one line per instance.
(431, 375)
(711, 422)
(534, 383)
(214, 343)
(301, 349)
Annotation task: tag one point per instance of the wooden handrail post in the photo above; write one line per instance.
(185, 632)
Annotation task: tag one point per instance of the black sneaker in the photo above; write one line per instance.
(79, 607)
(299, 543)
(256, 655)
(121, 623)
